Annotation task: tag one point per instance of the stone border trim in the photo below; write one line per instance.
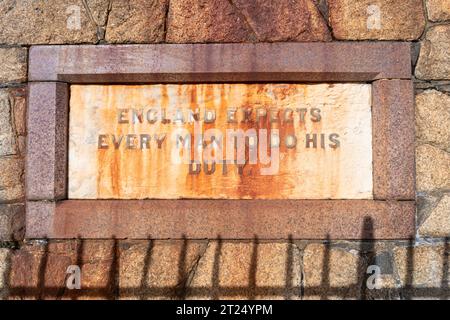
(173, 63)
(227, 219)
(54, 68)
(47, 123)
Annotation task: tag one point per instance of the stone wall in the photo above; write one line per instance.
(230, 269)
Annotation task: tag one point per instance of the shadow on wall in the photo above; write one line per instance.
(184, 289)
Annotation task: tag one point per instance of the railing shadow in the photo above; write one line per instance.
(216, 290)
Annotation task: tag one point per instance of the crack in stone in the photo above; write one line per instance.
(191, 273)
(323, 8)
(166, 17)
(242, 16)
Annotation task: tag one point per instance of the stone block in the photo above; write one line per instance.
(377, 19)
(51, 21)
(136, 21)
(432, 168)
(14, 64)
(12, 222)
(434, 58)
(433, 118)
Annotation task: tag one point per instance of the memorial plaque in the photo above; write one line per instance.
(220, 141)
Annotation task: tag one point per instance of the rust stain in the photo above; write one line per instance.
(149, 173)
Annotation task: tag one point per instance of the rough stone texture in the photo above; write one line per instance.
(12, 222)
(432, 168)
(359, 20)
(7, 135)
(12, 121)
(47, 122)
(434, 58)
(11, 179)
(285, 20)
(200, 219)
(423, 271)
(244, 20)
(433, 119)
(438, 10)
(38, 270)
(426, 203)
(393, 125)
(51, 22)
(14, 64)
(4, 270)
(136, 21)
(332, 273)
(157, 269)
(438, 223)
(247, 270)
(222, 63)
(206, 21)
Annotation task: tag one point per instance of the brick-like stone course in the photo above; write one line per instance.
(51, 22)
(434, 58)
(438, 10)
(136, 21)
(14, 65)
(377, 19)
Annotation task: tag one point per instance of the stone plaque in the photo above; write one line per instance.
(230, 141)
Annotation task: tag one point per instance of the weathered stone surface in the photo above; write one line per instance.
(393, 124)
(432, 168)
(51, 22)
(11, 179)
(303, 170)
(285, 20)
(136, 21)
(4, 270)
(438, 223)
(244, 20)
(47, 120)
(14, 64)
(377, 19)
(206, 21)
(246, 270)
(332, 273)
(438, 10)
(424, 268)
(38, 269)
(18, 98)
(12, 120)
(39, 265)
(157, 269)
(12, 222)
(439, 85)
(426, 203)
(433, 118)
(99, 270)
(7, 134)
(434, 58)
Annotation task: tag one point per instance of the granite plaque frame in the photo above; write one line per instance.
(387, 66)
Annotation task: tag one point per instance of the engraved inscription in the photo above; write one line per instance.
(235, 141)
